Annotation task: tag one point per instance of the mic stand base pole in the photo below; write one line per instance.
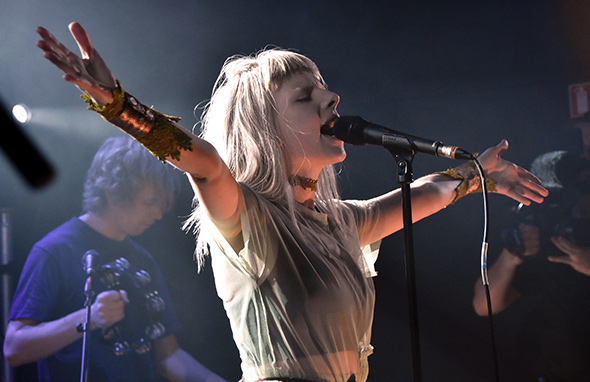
(86, 330)
(404, 164)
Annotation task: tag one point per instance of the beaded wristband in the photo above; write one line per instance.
(154, 130)
(470, 180)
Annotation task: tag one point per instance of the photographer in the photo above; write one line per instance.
(540, 284)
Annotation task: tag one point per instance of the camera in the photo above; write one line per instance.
(557, 216)
(563, 213)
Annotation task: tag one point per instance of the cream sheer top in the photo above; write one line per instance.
(300, 301)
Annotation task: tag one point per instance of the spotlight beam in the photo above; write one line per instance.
(31, 164)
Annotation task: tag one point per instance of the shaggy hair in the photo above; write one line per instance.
(120, 169)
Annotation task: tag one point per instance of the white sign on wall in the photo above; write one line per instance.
(579, 99)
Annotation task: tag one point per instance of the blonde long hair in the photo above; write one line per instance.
(240, 122)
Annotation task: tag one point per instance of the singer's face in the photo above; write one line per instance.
(304, 105)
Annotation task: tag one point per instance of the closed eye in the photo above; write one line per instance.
(305, 94)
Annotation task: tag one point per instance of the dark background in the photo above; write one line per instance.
(464, 72)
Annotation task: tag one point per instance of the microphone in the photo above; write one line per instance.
(90, 261)
(357, 131)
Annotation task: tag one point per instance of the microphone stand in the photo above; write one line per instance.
(404, 174)
(85, 328)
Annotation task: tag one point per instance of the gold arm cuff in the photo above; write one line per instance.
(111, 110)
(157, 132)
(470, 180)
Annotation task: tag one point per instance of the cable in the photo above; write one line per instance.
(484, 266)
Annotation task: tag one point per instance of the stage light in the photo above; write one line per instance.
(21, 113)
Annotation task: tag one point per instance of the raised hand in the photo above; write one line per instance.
(510, 179)
(576, 256)
(88, 72)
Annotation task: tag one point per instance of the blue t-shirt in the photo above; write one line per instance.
(51, 286)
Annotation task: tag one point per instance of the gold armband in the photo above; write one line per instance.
(470, 180)
(154, 130)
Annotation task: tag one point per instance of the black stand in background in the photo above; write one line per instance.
(22, 153)
(404, 172)
(6, 281)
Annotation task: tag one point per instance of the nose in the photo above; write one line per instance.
(332, 100)
(157, 212)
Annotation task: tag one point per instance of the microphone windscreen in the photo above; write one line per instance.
(350, 129)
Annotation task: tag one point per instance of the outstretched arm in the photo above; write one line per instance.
(434, 192)
(216, 188)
